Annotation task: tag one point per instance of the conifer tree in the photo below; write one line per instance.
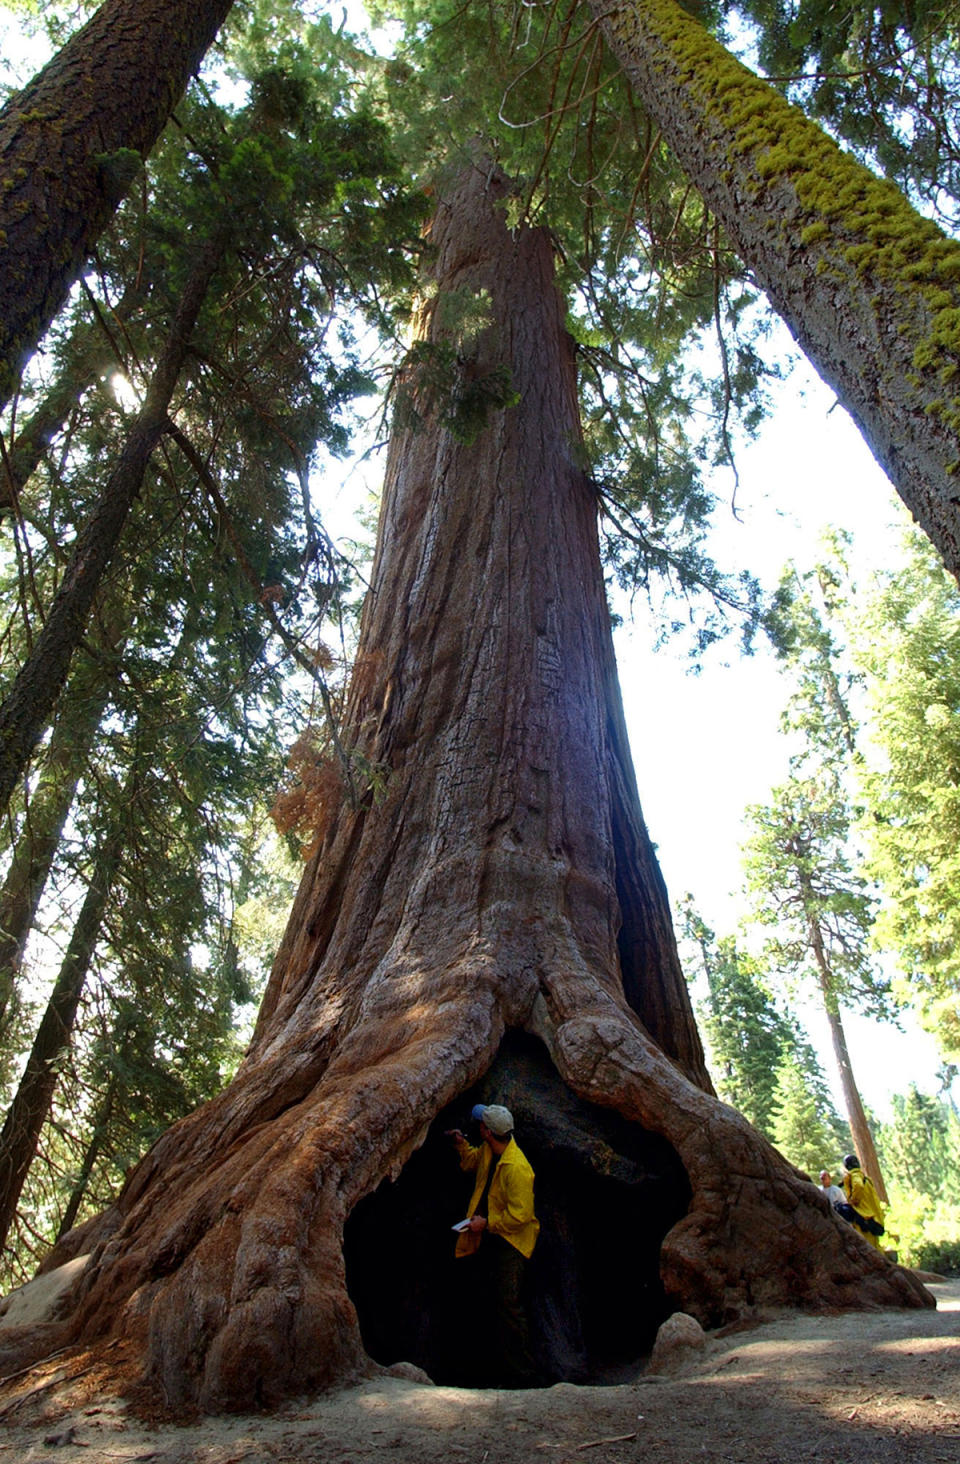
(804, 875)
(805, 1126)
(487, 886)
(83, 126)
(908, 641)
(489, 916)
(747, 1036)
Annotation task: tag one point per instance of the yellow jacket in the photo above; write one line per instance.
(510, 1202)
(859, 1190)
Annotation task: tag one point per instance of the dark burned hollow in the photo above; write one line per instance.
(607, 1192)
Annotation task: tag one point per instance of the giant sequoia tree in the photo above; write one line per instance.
(490, 919)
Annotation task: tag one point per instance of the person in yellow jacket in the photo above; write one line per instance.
(863, 1200)
(498, 1236)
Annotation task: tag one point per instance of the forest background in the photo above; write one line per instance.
(163, 975)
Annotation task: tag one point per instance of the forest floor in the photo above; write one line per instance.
(851, 1388)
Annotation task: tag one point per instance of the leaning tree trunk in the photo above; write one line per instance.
(39, 834)
(852, 1102)
(31, 698)
(30, 1107)
(869, 288)
(67, 142)
(498, 880)
(87, 359)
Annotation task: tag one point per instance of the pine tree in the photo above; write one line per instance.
(83, 125)
(908, 641)
(747, 1036)
(805, 1127)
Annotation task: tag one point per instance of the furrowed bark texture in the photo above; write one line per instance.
(869, 288)
(852, 1102)
(65, 142)
(494, 884)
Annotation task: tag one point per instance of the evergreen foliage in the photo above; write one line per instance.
(224, 573)
(921, 1145)
(908, 641)
(760, 1061)
(883, 78)
(747, 1035)
(805, 1126)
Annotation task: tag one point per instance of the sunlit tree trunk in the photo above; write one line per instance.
(852, 1102)
(869, 288)
(496, 887)
(67, 142)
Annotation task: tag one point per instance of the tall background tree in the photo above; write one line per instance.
(908, 641)
(758, 1058)
(223, 577)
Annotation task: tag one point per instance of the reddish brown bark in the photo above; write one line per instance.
(496, 883)
(63, 170)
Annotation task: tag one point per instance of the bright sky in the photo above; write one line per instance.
(705, 746)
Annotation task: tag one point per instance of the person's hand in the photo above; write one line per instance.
(454, 1134)
(477, 1223)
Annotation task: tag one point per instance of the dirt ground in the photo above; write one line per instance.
(857, 1388)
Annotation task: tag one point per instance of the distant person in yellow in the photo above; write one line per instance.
(497, 1239)
(863, 1200)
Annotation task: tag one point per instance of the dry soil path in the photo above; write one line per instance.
(858, 1388)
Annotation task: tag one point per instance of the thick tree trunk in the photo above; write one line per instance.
(31, 1103)
(461, 932)
(869, 288)
(27, 706)
(66, 142)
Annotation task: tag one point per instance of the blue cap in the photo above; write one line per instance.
(477, 1112)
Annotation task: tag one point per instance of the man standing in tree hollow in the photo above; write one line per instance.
(498, 1238)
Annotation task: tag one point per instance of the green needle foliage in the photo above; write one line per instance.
(668, 346)
(747, 1034)
(805, 1125)
(883, 78)
(759, 1060)
(908, 642)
